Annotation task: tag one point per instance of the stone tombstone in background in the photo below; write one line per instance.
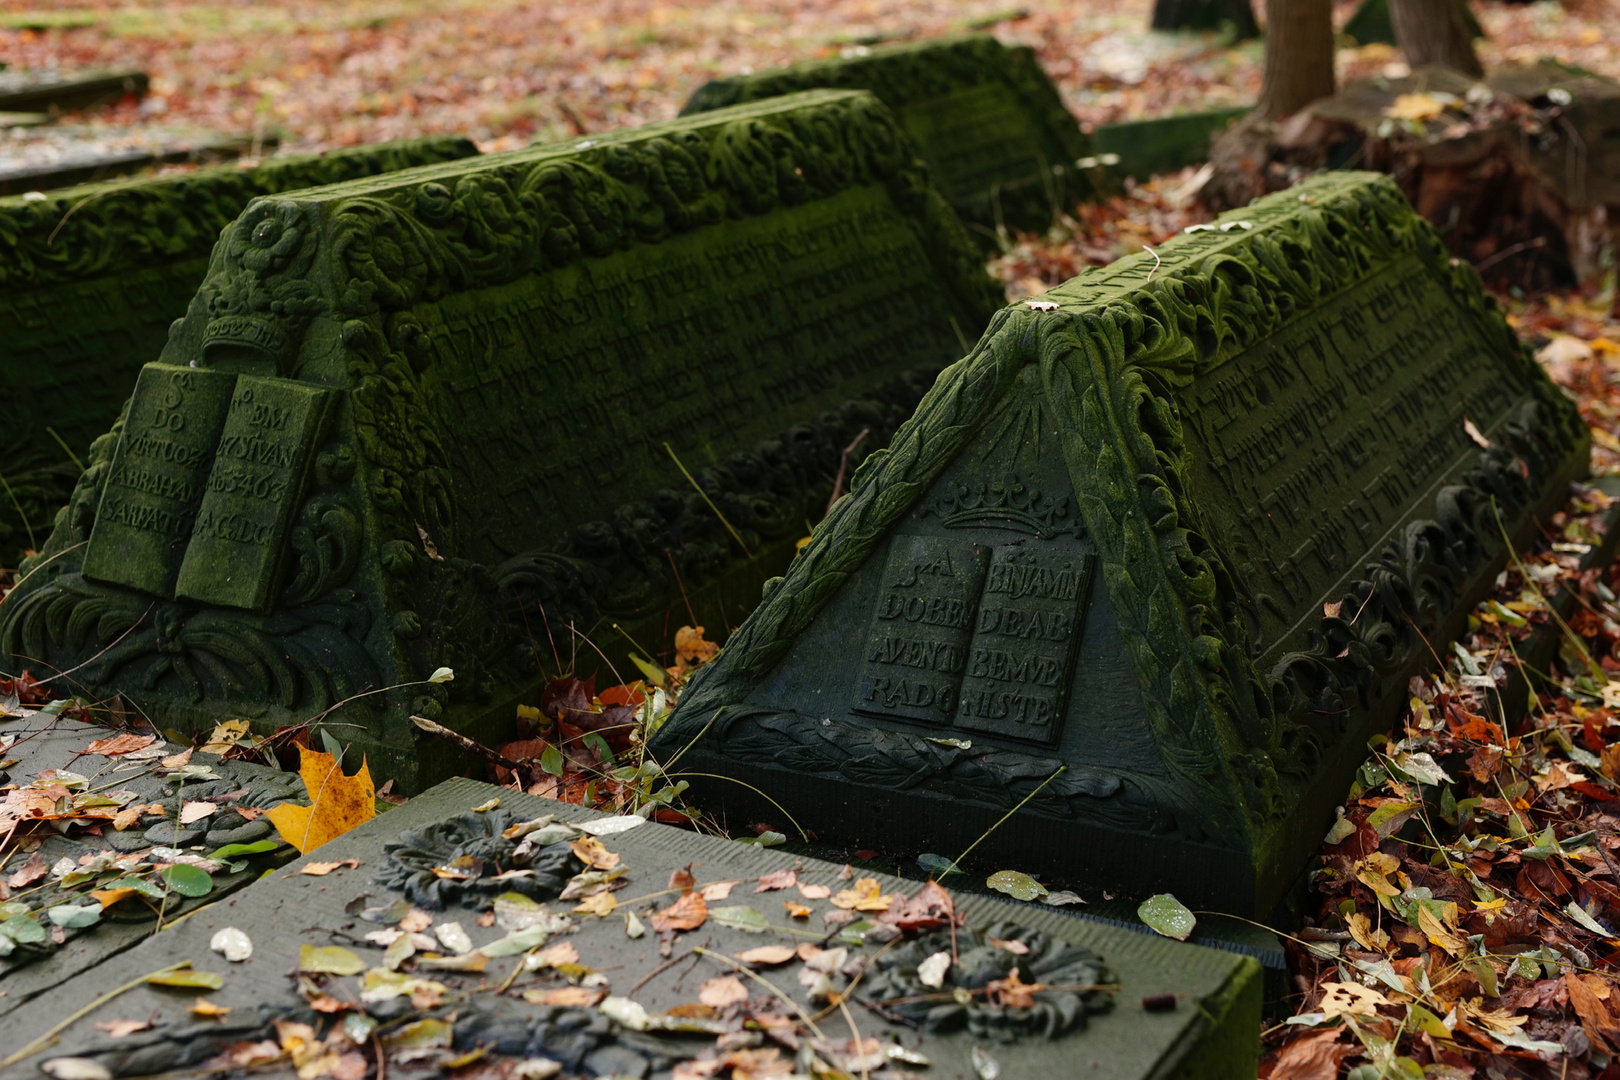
(427, 419)
(91, 278)
(998, 140)
(1158, 557)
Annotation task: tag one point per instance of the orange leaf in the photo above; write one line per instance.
(601, 904)
(339, 802)
(687, 913)
(797, 911)
(109, 897)
(593, 853)
(577, 996)
(120, 744)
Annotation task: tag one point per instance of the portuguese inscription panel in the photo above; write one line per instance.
(914, 654)
(1312, 445)
(157, 477)
(1024, 640)
(252, 492)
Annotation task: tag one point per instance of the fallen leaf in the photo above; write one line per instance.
(593, 853)
(109, 897)
(204, 1007)
(814, 892)
(223, 739)
(487, 805)
(187, 979)
(1012, 992)
(176, 761)
(1017, 948)
(601, 904)
(125, 743)
(117, 1029)
(196, 811)
(683, 880)
(796, 910)
(575, 996)
(1350, 999)
(338, 802)
(866, 895)
(31, 871)
(717, 890)
(687, 913)
(321, 869)
(1415, 107)
(777, 879)
(767, 955)
(558, 955)
(1314, 1057)
(723, 990)
(329, 960)
(1168, 916)
(1018, 885)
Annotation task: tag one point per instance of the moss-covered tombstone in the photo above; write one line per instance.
(91, 277)
(428, 420)
(994, 131)
(1158, 557)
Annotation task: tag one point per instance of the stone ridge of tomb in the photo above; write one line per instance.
(525, 159)
(55, 221)
(1129, 275)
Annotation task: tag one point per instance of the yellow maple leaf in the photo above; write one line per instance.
(1415, 107)
(338, 802)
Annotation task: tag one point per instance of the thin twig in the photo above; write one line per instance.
(50, 1037)
(434, 728)
(735, 535)
(843, 467)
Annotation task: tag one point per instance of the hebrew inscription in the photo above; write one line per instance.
(1322, 438)
(157, 477)
(976, 139)
(253, 489)
(780, 317)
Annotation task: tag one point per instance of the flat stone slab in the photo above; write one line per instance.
(397, 429)
(1204, 1016)
(1152, 564)
(42, 955)
(59, 91)
(999, 142)
(91, 279)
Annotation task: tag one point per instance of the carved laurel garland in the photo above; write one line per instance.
(121, 226)
(1231, 735)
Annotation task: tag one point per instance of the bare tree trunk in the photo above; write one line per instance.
(1299, 56)
(1435, 32)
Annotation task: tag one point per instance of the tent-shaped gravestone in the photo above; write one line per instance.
(1157, 557)
(998, 140)
(91, 277)
(428, 419)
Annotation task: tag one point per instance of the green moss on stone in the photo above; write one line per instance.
(454, 394)
(997, 138)
(91, 277)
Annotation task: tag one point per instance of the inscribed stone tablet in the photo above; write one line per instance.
(995, 133)
(252, 493)
(468, 405)
(1227, 495)
(157, 476)
(92, 277)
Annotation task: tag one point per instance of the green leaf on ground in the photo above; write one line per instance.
(187, 979)
(188, 880)
(329, 960)
(1168, 916)
(1018, 885)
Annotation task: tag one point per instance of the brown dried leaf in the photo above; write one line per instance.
(579, 997)
(593, 853)
(777, 879)
(687, 913)
(1313, 1057)
(124, 743)
(768, 955)
(117, 1029)
(723, 990)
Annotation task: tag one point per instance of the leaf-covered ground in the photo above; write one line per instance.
(1466, 922)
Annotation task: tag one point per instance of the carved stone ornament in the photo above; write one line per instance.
(91, 277)
(427, 420)
(991, 125)
(1265, 431)
(465, 860)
